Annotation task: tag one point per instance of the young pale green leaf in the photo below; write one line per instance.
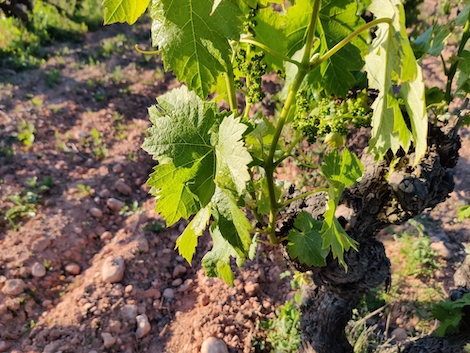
(263, 202)
(305, 241)
(187, 241)
(232, 156)
(124, 10)
(195, 44)
(344, 168)
(337, 19)
(334, 236)
(175, 199)
(413, 94)
(296, 22)
(260, 138)
(391, 62)
(181, 135)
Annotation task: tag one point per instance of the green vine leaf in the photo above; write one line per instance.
(305, 241)
(124, 10)
(195, 45)
(450, 314)
(187, 241)
(391, 62)
(432, 41)
(180, 139)
(340, 170)
(337, 19)
(232, 156)
(463, 74)
(231, 236)
(334, 236)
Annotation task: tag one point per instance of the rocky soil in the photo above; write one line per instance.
(91, 267)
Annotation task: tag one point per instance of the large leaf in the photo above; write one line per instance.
(305, 241)
(195, 45)
(124, 10)
(181, 137)
(344, 168)
(391, 62)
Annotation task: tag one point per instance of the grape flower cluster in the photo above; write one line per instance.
(320, 117)
(250, 63)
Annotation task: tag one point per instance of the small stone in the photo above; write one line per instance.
(129, 311)
(96, 212)
(46, 303)
(214, 345)
(113, 269)
(105, 193)
(178, 271)
(4, 346)
(72, 269)
(77, 230)
(143, 325)
(251, 288)
(122, 187)
(108, 340)
(114, 204)
(117, 168)
(106, 236)
(169, 293)
(13, 286)
(39, 245)
(128, 288)
(177, 282)
(441, 250)
(13, 304)
(38, 270)
(8, 179)
(400, 334)
(143, 245)
(52, 347)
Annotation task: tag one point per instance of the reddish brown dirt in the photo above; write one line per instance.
(71, 308)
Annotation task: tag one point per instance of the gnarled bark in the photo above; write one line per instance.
(372, 204)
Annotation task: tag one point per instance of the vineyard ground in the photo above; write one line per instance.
(87, 104)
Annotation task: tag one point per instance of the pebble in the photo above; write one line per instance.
(169, 293)
(113, 269)
(400, 334)
(214, 345)
(178, 271)
(108, 340)
(143, 245)
(106, 236)
(4, 346)
(13, 286)
(40, 245)
(38, 270)
(143, 326)
(129, 311)
(114, 204)
(177, 282)
(105, 193)
(117, 168)
(72, 269)
(96, 212)
(52, 347)
(441, 250)
(122, 187)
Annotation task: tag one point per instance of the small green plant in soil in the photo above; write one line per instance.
(96, 144)
(25, 132)
(25, 202)
(450, 313)
(420, 259)
(52, 78)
